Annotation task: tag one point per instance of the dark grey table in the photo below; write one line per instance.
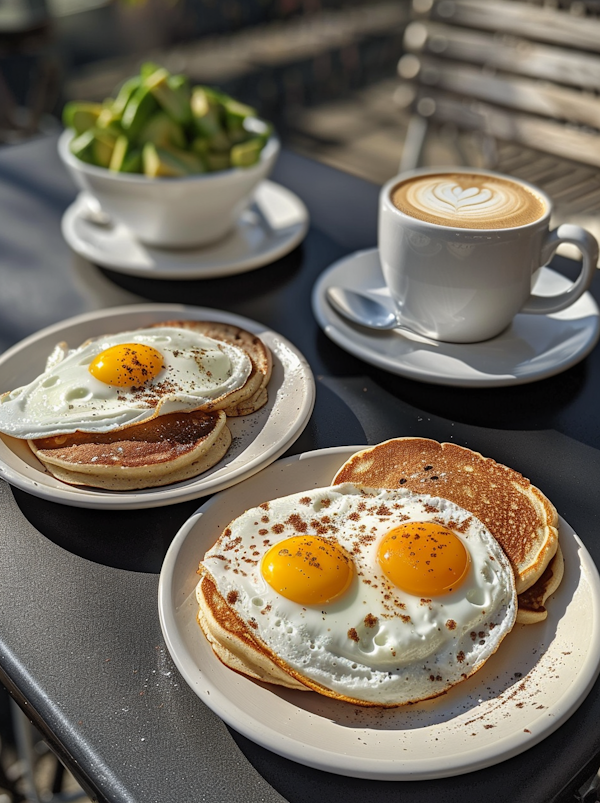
(80, 645)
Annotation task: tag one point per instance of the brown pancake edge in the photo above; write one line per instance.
(158, 452)
(532, 602)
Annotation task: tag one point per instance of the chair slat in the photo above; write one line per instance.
(543, 135)
(523, 94)
(537, 23)
(513, 56)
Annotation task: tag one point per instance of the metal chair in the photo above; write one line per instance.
(511, 86)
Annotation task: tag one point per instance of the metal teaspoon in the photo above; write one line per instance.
(361, 309)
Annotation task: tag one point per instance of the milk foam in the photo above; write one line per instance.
(468, 201)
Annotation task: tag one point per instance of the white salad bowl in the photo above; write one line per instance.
(172, 212)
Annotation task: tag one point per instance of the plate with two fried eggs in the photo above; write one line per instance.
(148, 405)
(337, 664)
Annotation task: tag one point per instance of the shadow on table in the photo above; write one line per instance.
(251, 286)
(539, 404)
(134, 540)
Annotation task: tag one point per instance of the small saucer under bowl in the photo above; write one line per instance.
(533, 347)
(272, 226)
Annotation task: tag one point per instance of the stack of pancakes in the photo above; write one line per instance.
(518, 515)
(234, 643)
(167, 448)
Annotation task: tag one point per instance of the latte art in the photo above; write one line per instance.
(450, 197)
(468, 200)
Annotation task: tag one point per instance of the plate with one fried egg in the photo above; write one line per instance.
(148, 405)
(345, 656)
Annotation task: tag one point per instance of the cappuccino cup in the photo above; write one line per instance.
(460, 251)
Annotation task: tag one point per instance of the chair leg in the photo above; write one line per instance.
(413, 143)
(24, 742)
(57, 780)
(590, 791)
(489, 148)
(464, 157)
(25, 749)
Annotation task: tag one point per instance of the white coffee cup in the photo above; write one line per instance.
(455, 274)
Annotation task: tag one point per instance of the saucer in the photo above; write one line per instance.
(268, 229)
(532, 347)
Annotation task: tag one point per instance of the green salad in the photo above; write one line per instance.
(160, 125)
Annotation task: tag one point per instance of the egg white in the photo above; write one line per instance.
(67, 398)
(417, 647)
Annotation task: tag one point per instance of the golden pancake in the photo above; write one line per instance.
(517, 513)
(532, 602)
(232, 641)
(166, 449)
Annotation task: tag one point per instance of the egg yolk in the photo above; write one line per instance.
(127, 365)
(308, 569)
(424, 558)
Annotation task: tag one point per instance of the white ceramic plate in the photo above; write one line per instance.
(274, 225)
(258, 439)
(535, 681)
(533, 347)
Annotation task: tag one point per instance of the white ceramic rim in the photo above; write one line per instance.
(385, 198)
(370, 355)
(270, 151)
(419, 765)
(193, 269)
(188, 489)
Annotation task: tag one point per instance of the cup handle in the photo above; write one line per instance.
(587, 244)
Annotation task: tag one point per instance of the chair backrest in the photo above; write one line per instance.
(516, 71)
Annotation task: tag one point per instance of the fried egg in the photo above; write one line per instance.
(377, 596)
(120, 380)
